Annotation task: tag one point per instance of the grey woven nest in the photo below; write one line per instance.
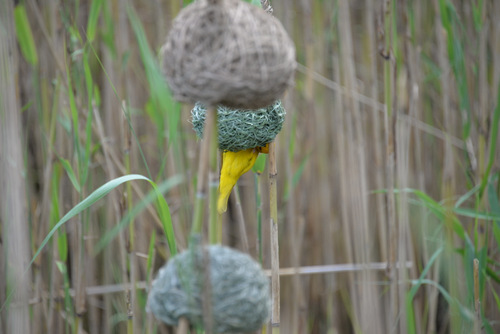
(239, 289)
(228, 52)
(242, 129)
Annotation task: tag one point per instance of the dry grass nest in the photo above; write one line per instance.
(228, 52)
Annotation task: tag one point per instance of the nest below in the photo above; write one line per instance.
(230, 53)
(238, 129)
(239, 289)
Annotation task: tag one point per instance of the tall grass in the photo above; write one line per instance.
(389, 154)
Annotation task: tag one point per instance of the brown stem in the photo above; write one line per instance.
(273, 222)
(183, 326)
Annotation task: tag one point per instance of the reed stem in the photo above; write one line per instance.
(201, 190)
(214, 224)
(273, 222)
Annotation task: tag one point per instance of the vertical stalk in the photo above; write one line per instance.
(477, 298)
(130, 237)
(183, 327)
(390, 161)
(240, 219)
(12, 206)
(214, 223)
(201, 190)
(377, 141)
(273, 222)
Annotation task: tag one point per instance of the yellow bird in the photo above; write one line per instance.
(235, 164)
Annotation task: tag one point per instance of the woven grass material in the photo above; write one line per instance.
(242, 129)
(239, 289)
(230, 53)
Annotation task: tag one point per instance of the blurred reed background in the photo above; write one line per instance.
(389, 156)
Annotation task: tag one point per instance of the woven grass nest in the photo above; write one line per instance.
(228, 52)
(239, 290)
(242, 129)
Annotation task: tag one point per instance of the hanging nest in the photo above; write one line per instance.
(242, 129)
(228, 52)
(239, 289)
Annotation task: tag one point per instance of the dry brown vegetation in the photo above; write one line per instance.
(388, 167)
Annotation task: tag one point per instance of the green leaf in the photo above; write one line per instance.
(154, 195)
(492, 274)
(495, 295)
(25, 35)
(71, 174)
(260, 164)
(162, 100)
(493, 143)
(67, 296)
(162, 207)
(477, 15)
(466, 196)
(442, 213)
(86, 203)
(495, 208)
(95, 10)
(166, 219)
(296, 178)
(410, 295)
(450, 20)
(471, 213)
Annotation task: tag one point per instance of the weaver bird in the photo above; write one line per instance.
(235, 164)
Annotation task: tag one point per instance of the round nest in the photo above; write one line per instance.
(239, 290)
(228, 52)
(242, 129)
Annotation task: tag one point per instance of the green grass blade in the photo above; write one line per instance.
(151, 197)
(71, 174)
(439, 211)
(166, 219)
(25, 35)
(495, 209)
(296, 178)
(67, 297)
(492, 274)
(74, 116)
(462, 199)
(466, 313)
(95, 10)
(411, 326)
(86, 203)
(472, 213)
(62, 242)
(450, 20)
(495, 295)
(160, 93)
(493, 143)
(88, 127)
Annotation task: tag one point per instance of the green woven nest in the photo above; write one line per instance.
(242, 129)
(239, 290)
